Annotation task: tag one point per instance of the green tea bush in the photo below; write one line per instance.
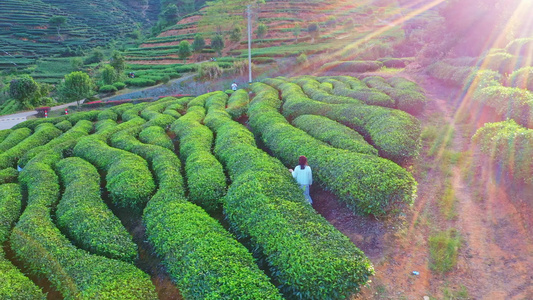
(510, 146)
(8, 175)
(334, 133)
(353, 66)
(14, 284)
(119, 85)
(64, 125)
(503, 62)
(107, 114)
(40, 245)
(311, 87)
(129, 181)
(134, 111)
(352, 87)
(508, 102)
(33, 123)
(108, 89)
(191, 240)
(85, 218)
(406, 94)
(15, 136)
(522, 78)
(64, 141)
(266, 207)
(238, 103)
(86, 115)
(139, 82)
(121, 108)
(156, 135)
(4, 134)
(452, 75)
(521, 46)
(206, 181)
(43, 134)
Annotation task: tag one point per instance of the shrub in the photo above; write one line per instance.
(73, 272)
(155, 135)
(353, 66)
(206, 181)
(33, 123)
(88, 115)
(190, 239)
(285, 238)
(139, 82)
(134, 111)
(406, 94)
(129, 181)
(209, 70)
(333, 133)
(43, 134)
(522, 47)
(121, 108)
(4, 134)
(107, 89)
(302, 59)
(107, 114)
(352, 87)
(119, 85)
(8, 175)
(64, 125)
(63, 142)
(15, 136)
(84, 216)
(14, 284)
(238, 103)
(522, 78)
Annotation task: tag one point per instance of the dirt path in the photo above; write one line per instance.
(495, 260)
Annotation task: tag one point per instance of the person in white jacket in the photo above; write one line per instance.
(304, 176)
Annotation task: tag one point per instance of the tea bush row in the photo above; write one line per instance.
(8, 175)
(14, 137)
(206, 181)
(238, 103)
(353, 66)
(156, 135)
(40, 245)
(84, 217)
(307, 257)
(15, 285)
(406, 94)
(81, 129)
(43, 134)
(366, 183)
(334, 133)
(64, 125)
(189, 241)
(354, 88)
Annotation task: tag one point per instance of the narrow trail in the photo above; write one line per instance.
(495, 260)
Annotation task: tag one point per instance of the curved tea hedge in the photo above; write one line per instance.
(64, 125)
(107, 114)
(41, 246)
(14, 284)
(206, 182)
(238, 103)
(156, 135)
(8, 175)
(81, 129)
(307, 257)
(407, 95)
(43, 134)
(509, 145)
(189, 240)
(366, 183)
(333, 133)
(15, 136)
(85, 218)
(4, 133)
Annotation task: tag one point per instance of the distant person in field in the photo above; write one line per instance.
(303, 175)
(234, 86)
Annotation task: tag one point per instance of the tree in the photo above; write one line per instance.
(76, 87)
(96, 56)
(108, 75)
(261, 31)
(57, 21)
(217, 43)
(236, 34)
(313, 30)
(76, 63)
(25, 90)
(170, 14)
(184, 50)
(199, 43)
(296, 31)
(118, 62)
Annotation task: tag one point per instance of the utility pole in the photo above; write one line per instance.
(249, 43)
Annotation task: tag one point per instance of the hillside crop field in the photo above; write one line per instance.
(159, 181)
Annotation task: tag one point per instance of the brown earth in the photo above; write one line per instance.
(494, 219)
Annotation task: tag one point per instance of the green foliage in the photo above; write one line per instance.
(61, 143)
(302, 59)
(236, 34)
(139, 82)
(119, 85)
(76, 63)
(73, 272)
(14, 284)
(108, 75)
(508, 145)
(96, 56)
(107, 114)
(64, 125)
(118, 62)
(184, 50)
(191, 240)
(8, 175)
(261, 31)
(15, 136)
(521, 47)
(354, 66)
(156, 135)
(43, 134)
(217, 43)
(289, 237)
(407, 95)
(199, 43)
(296, 30)
(333, 133)
(522, 78)
(238, 103)
(27, 91)
(209, 70)
(107, 89)
(443, 248)
(84, 216)
(129, 181)
(206, 181)
(77, 86)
